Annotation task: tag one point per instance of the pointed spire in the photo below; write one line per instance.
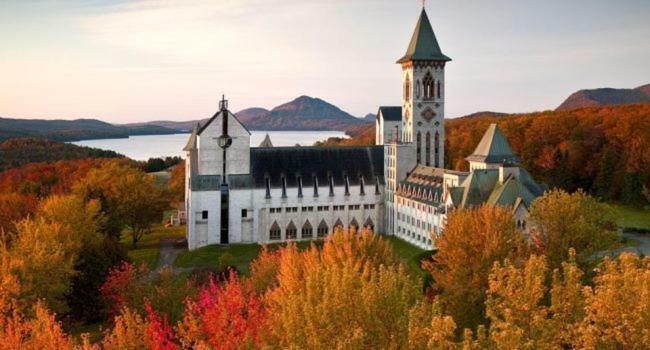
(493, 148)
(424, 45)
(266, 142)
(191, 143)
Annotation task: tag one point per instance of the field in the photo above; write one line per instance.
(629, 216)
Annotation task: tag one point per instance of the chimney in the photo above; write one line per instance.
(506, 170)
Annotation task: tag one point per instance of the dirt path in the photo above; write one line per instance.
(168, 253)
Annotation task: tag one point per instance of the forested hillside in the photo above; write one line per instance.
(603, 150)
(73, 130)
(17, 152)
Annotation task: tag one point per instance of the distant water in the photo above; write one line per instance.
(152, 146)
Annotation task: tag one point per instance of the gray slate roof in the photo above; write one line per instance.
(424, 45)
(266, 142)
(493, 148)
(391, 113)
(191, 142)
(356, 162)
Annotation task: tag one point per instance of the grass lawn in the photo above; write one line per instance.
(148, 249)
(630, 216)
(242, 254)
(407, 253)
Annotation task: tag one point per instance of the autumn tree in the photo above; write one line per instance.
(228, 315)
(617, 308)
(561, 221)
(129, 198)
(473, 240)
(42, 256)
(15, 207)
(351, 293)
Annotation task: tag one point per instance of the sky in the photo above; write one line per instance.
(141, 60)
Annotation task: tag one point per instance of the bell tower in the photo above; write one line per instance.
(423, 95)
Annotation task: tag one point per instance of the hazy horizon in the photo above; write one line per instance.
(136, 61)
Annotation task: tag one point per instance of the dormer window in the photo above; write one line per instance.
(299, 186)
(362, 185)
(347, 185)
(284, 187)
(315, 186)
(331, 180)
(268, 186)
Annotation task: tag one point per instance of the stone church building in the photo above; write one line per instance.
(235, 193)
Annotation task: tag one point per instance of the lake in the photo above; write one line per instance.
(153, 146)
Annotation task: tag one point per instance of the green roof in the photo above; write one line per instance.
(478, 186)
(508, 192)
(423, 46)
(493, 148)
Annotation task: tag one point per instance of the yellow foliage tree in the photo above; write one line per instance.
(473, 240)
(617, 311)
(350, 294)
(42, 259)
(128, 333)
(561, 221)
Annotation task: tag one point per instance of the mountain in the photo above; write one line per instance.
(485, 114)
(73, 130)
(303, 113)
(370, 118)
(606, 96)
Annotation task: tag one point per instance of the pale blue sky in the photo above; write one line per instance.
(124, 61)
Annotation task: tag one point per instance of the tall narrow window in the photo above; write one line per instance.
(428, 86)
(274, 232)
(284, 187)
(427, 146)
(291, 231)
(347, 185)
(322, 229)
(418, 89)
(369, 225)
(419, 148)
(315, 186)
(354, 226)
(307, 231)
(438, 89)
(436, 149)
(407, 88)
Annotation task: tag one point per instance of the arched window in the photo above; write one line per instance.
(369, 225)
(322, 229)
(428, 86)
(291, 232)
(418, 89)
(427, 145)
(354, 226)
(436, 149)
(307, 231)
(274, 232)
(438, 90)
(407, 88)
(338, 225)
(419, 148)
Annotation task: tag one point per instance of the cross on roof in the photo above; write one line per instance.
(223, 104)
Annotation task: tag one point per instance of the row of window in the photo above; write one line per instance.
(419, 206)
(362, 184)
(321, 208)
(413, 221)
(307, 232)
(244, 212)
(414, 235)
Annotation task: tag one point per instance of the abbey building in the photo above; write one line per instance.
(235, 193)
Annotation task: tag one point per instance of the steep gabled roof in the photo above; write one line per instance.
(478, 186)
(191, 143)
(215, 117)
(424, 45)
(266, 142)
(493, 148)
(391, 113)
(508, 193)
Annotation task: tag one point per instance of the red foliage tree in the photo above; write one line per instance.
(225, 316)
